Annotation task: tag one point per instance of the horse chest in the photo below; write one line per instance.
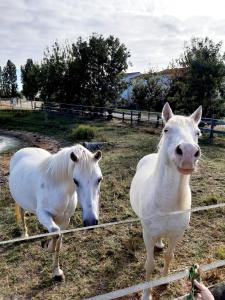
(60, 201)
(158, 200)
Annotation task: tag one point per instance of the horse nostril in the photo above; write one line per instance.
(179, 151)
(197, 153)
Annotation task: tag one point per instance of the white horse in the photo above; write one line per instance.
(161, 185)
(48, 185)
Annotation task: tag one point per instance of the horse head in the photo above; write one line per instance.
(87, 176)
(180, 139)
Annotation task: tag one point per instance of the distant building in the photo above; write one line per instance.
(128, 77)
(164, 78)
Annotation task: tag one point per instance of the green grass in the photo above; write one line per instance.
(107, 259)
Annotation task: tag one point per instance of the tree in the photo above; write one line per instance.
(86, 72)
(9, 80)
(149, 91)
(52, 73)
(139, 94)
(204, 76)
(30, 79)
(100, 63)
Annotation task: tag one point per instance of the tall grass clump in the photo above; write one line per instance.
(83, 133)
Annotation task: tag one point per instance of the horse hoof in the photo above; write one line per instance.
(59, 278)
(158, 249)
(159, 246)
(58, 275)
(43, 244)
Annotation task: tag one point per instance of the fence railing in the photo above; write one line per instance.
(211, 126)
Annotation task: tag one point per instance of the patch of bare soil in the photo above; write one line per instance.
(28, 139)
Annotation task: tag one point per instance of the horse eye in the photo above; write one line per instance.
(76, 182)
(198, 133)
(165, 130)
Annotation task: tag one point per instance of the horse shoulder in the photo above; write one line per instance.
(147, 162)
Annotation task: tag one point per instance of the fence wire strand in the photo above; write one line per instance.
(105, 225)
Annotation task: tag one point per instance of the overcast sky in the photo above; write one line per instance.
(153, 30)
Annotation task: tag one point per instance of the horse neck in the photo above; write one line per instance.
(59, 167)
(171, 185)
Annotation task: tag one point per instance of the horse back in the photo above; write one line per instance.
(29, 154)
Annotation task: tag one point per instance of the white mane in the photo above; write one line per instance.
(60, 166)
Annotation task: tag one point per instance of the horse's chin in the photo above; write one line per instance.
(185, 171)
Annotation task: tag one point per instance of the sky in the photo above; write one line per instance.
(154, 31)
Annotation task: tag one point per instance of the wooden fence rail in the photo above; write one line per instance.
(211, 126)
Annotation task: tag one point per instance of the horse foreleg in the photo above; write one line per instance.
(46, 219)
(57, 272)
(169, 254)
(150, 264)
(51, 244)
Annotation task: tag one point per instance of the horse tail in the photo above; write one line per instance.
(17, 213)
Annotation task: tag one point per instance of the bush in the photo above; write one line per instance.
(83, 133)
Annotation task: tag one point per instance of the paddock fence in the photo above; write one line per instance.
(138, 287)
(211, 126)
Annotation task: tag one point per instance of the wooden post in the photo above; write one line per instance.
(139, 117)
(131, 117)
(211, 130)
(157, 122)
(148, 117)
(123, 117)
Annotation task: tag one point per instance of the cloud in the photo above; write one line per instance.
(153, 30)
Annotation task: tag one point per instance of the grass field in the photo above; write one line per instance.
(107, 259)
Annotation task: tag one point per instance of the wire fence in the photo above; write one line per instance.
(208, 125)
(129, 221)
(154, 283)
(139, 287)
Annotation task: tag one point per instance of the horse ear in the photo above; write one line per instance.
(98, 155)
(73, 157)
(197, 115)
(166, 112)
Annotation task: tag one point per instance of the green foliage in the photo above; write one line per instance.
(86, 72)
(9, 80)
(30, 76)
(83, 133)
(203, 79)
(149, 92)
